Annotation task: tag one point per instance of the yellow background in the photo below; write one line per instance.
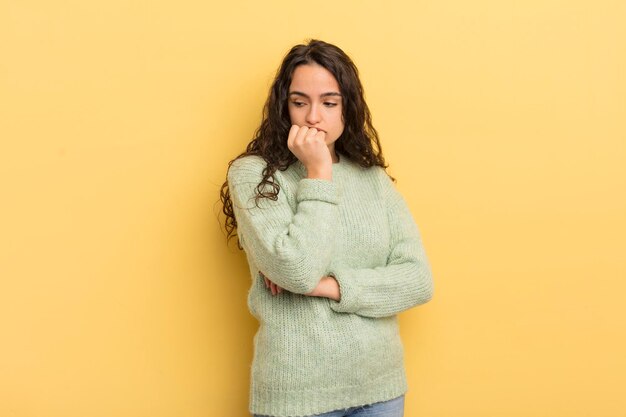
(502, 121)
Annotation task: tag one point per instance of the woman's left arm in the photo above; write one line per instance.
(404, 282)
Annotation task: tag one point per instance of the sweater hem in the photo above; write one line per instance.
(291, 403)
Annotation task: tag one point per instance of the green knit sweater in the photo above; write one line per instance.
(314, 354)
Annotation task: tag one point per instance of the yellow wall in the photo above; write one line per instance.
(502, 121)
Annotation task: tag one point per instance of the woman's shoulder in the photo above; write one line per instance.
(383, 181)
(248, 162)
(246, 168)
(376, 173)
(383, 176)
(250, 168)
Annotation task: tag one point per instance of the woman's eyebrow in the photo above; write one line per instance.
(330, 93)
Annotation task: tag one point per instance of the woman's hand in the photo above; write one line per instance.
(327, 287)
(309, 146)
(269, 284)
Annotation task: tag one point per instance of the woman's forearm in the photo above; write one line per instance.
(327, 287)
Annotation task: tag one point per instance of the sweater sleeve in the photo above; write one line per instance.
(293, 249)
(404, 282)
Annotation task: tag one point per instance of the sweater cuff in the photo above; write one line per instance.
(318, 189)
(348, 303)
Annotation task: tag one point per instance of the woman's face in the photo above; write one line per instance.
(315, 101)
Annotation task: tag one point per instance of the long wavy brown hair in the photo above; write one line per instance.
(359, 141)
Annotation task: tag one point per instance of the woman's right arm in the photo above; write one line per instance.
(293, 249)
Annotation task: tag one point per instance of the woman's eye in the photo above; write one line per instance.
(298, 103)
(330, 104)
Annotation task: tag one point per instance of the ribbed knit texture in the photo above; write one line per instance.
(312, 354)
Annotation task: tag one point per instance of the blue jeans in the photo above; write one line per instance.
(391, 408)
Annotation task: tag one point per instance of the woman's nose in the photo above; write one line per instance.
(313, 116)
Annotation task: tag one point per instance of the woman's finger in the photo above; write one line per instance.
(271, 285)
(299, 138)
(310, 134)
(292, 136)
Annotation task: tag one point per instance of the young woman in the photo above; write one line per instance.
(333, 250)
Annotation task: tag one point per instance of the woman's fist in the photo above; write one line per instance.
(309, 146)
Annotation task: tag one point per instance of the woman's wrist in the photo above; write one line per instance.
(322, 174)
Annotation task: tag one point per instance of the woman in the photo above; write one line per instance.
(333, 250)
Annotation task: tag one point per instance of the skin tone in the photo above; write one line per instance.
(316, 113)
